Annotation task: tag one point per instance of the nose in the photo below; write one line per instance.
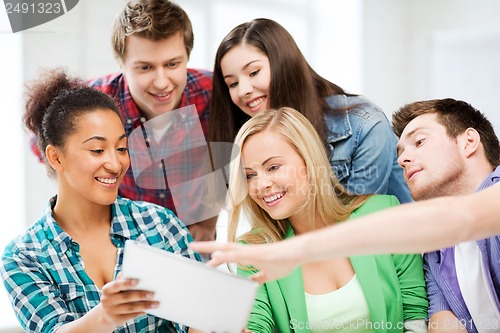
(161, 79)
(262, 182)
(113, 163)
(404, 158)
(244, 88)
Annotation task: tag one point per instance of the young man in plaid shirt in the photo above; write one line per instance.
(152, 41)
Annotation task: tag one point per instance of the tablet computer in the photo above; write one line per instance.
(189, 292)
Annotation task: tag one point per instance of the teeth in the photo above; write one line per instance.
(256, 102)
(273, 198)
(107, 180)
(160, 95)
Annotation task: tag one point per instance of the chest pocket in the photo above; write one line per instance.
(340, 164)
(73, 295)
(341, 170)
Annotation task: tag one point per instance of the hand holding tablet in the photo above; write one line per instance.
(189, 292)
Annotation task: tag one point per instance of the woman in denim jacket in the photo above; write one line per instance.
(258, 66)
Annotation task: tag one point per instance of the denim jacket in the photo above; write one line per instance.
(362, 148)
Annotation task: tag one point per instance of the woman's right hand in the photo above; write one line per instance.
(120, 301)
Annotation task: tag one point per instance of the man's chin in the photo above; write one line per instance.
(419, 194)
(422, 195)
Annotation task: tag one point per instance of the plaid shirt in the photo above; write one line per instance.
(44, 273)
(197, 92)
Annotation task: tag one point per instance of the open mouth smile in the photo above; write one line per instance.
(109, 181)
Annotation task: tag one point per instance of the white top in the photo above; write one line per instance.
(343, 310)
(475, 286)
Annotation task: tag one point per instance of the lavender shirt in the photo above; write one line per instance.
(441, 277)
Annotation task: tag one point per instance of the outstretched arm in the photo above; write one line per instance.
(409, 228)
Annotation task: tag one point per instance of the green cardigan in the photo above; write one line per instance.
(393, 285)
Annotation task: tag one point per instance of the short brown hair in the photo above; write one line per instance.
(456, 116)
(154, 20)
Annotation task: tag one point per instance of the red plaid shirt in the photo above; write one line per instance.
(198, 92)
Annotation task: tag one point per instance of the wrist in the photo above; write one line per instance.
(99, 317)
(301, 253)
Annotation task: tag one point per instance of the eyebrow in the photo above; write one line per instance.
(141, 62)
(244, 67)
(267, 160)
(101, 138)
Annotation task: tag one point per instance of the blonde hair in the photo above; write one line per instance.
(327, 200)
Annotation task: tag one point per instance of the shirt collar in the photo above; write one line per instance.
(59, 239)
(129, 108)
(120, 226)
(133, 116)
(491, 179)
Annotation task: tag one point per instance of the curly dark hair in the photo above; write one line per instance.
(55, 101)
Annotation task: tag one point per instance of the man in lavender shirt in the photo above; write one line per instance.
(448, 148)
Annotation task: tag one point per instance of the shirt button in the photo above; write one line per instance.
(143, 120)
(129, 121)
(162, 195)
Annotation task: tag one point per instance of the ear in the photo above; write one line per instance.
(54, 157)
(470, 141)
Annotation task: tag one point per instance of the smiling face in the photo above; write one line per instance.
(156, 73)
(94, 159)
(432, 163)
(247, 74)
(276, 176)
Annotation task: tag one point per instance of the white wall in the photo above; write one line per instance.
(400, 43)
(476, 52)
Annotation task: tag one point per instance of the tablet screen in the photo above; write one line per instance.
(189, 292)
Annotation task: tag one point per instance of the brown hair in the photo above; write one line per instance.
(293, 82)
(456, 116)
(154, 20)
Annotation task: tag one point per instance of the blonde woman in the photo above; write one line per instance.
(285, 185)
